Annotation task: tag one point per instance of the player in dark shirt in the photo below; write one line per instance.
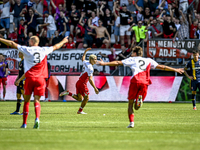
(20, 87)
(194, 75)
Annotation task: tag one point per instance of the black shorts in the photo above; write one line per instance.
(99, 42)
(88, 41)
(20, 87)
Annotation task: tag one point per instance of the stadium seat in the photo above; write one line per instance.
(94, 46)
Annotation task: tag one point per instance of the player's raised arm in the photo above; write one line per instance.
(9, 43)
(166, 68)
(83, 58)
(112, 63)
(59, 45)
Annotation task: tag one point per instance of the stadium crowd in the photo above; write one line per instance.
(90, 23)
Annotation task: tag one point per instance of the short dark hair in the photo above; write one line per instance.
(138, 50)
(195, 51)
(1, 54)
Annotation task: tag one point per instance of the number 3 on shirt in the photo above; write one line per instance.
(36, 57)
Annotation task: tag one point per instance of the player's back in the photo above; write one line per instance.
(35, 60)
(87, 71)
(141, 68)
(194, 69)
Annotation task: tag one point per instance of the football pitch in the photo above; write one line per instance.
(158, 126)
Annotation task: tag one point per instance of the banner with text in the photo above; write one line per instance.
(171, 49)
(63, 61)
(111, 88)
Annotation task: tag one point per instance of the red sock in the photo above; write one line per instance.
(25, 112)
(37, 109)
(131, 117)
(80, 109)
(70, 94)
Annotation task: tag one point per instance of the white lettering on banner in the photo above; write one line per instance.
(167, 53)
(152, 43)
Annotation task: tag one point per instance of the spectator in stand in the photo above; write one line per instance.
(70, 44)
(2, 29)
(5, 15)
(177, 23)
(156, 29)
(111, 57)
(49, 23)
(21, 37)
(95, 18)
(193, 26)
(132, 9)
(117, 22)
(74, 17)
(100, 31)
(197, 34)
(162, 5)
(79, 4)
(60, 22)
(140, 16)
(13, 36)
(89, 33)
(31, 18)
(147, 13)
(169, 27)
(27, 37)
(152, 5)
(125, 19)
(123, 55)
(183, 31)
(140, 32)
(57, 38)
(58, 9)
(108, 20)
(17, 6)
(43, 38)
(40, 6)
(90, 6)
(52, 9)
(80, 30)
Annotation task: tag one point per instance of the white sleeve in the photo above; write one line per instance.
(48, 50)
(90, 71)
(127, 62)
(153, 63)
(22, 49)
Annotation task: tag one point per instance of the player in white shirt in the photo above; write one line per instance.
(141, 78)
(81, 85)
(35, 68)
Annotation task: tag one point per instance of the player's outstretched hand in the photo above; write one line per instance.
(180, 70)
(88, 49)
(101, 62)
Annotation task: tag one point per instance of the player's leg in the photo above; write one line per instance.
(4, 81)
(131, 113)
(141, 95)
(39, 90)
(194, 85)
(28, 86)
(27, 99)
(19, 101)
(84, 102)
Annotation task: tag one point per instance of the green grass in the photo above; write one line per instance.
(158, 126)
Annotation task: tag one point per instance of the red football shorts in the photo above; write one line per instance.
(36, 85)
(82, 88)
(3, 81)
(136, 89)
